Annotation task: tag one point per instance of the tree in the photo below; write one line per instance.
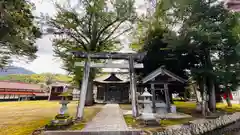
(205, 29)
(18, 31)
(93, 26)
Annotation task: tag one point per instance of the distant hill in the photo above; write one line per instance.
(36, 78)
(15, 70)
(20, 74)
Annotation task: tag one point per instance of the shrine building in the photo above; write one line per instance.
(114, 88)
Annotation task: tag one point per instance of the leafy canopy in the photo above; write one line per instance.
(18, 31)
(92, 26)
(202, 34)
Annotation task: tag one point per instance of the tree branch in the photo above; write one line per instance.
(121, 33)
(80, 34)
(75, 29)
(94, 39)
(89, 24)
(63, 30)
(109, 35)
(106, 27)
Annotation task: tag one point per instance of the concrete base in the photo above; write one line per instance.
(172, 116)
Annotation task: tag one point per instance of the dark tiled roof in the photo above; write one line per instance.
(112, 77)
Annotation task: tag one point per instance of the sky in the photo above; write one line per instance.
(46, 62)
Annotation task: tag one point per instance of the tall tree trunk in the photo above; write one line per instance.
(228, 97)
(204, 94)
(197, 93)
(89, 97)
(211, 87)
(212, 96)
(185, 95)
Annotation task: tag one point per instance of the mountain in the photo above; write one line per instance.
(15, 70)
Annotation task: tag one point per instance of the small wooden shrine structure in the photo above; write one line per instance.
(159, 81)
(112, 88)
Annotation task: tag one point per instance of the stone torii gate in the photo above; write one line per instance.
(131, 57)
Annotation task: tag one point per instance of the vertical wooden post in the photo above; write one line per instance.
(133, 87)
(104, 93)
(153, 96)
(84, 85)
(167, 97)
(107, 92)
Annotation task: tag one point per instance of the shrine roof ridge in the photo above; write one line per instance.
(162, 70)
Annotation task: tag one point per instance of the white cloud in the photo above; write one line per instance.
(45, 63)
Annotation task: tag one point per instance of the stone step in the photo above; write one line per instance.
(133, 132)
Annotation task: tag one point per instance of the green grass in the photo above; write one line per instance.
(170, 122)
(224, 107)
(189, 107)
(183, 107)
(130, 121)
(22, 118)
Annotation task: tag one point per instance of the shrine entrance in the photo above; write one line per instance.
(112, 88)
(130, 57)
(114, 94)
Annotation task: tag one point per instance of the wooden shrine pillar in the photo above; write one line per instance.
(167, 99)
(84, 85)
(107, 92)
(133, 87)
(153, 96)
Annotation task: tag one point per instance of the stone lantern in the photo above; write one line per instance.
(64, 102)
(147, 114)
(62, 119)
(147, 101)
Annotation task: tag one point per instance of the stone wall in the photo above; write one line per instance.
(202, 126)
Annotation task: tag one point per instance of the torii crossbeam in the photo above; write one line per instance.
(113, 55)
(131, 57)
(109, 65)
